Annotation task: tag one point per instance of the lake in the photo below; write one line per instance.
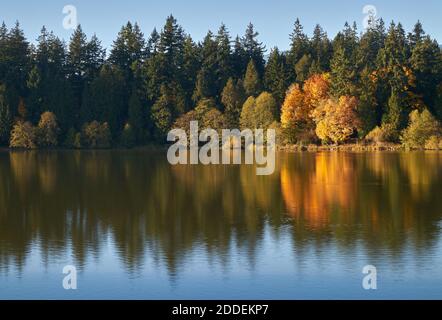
(135, 227)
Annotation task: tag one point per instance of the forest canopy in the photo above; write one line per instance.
(379, 85)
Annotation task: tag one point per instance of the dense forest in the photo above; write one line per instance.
(380, 85)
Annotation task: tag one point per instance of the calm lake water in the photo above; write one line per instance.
(137, 228)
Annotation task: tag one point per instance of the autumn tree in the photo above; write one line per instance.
(96, 135)
(299, 103)
(336, 119)
(23, 135)
(47, 130)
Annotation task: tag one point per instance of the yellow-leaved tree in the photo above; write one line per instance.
(336, 119)
(299, 103)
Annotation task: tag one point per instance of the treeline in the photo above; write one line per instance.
(379, 85)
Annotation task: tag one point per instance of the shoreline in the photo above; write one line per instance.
(385, 147)
(347, 148)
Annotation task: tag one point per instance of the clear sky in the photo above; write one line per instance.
(272, 19)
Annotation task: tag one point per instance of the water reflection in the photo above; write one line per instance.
(80, 200)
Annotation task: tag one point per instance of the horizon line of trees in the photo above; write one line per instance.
(382, 85)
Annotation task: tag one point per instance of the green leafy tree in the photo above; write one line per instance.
(258, 113)
(302, 68)
(252, 80)
(422, 126)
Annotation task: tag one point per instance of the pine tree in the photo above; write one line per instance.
(417, 35)
(254, 50)
(165, 66)
(392, 63)
(277, 75)
(207, 83)
(104, 100)
(426, 64)
(343, 69)
(191, 66)
(239, 59)
(127, 49)
(16, 65)
(370, 44)
(223, 57)
(84, 62)
(298, 49)
(153, 43)
(321, 51)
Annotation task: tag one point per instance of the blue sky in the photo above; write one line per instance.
(273, 19)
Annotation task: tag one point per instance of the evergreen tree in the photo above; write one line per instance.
(5, 118)
(254, 50)
(191, 66)
(232, 98)
(127, 49)
(207, 80)
(298, 49)
(239, 59)
(166, 65)
(136, 118)
(223, 57)
(104, 100)
(426, 64)
(371, 42)
(321, 51)
(153, 43)
(162, 114)
(277, 75)
(84, 61)
(15, 65)
(417, 35)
